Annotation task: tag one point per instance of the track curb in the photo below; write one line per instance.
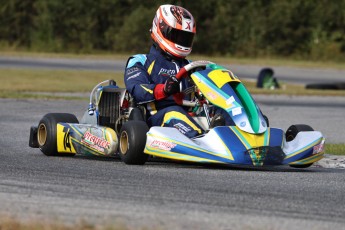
(331, 161)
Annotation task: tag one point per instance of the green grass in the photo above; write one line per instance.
(335, 149)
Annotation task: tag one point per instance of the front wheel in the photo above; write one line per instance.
(132, 142)
(290, 135)
(47, 134)
(293, 130)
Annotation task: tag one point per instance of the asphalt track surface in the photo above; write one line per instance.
(161, 195)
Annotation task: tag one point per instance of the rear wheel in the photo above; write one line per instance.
(132, 142)
(290, 135)
(47, 134)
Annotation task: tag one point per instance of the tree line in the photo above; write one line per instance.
(305, 29)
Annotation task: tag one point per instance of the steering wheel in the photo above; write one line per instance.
(187, 71)
(187, 68)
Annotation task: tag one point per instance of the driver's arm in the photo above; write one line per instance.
(141, 86)
(137, 80)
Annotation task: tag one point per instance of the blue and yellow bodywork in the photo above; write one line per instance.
(230, 145)
(249, 142)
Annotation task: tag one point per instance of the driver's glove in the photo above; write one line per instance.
(171, 86)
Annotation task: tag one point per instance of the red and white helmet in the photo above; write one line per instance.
(173, 29)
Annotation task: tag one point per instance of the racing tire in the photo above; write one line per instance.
(330, 86)
(290, 135)
(267, 121)
(132, 142)
(136, 115)
(47, 133)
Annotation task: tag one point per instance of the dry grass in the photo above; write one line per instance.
(10, 223)
(292, 89)
(28, 83)
(31, 83)
(274, 61)
(53, 80)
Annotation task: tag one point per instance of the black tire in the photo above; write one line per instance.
(301, 166)
(136, 115)
(290, 135)
(46, 133)
(132, 142)
(322, 86)
(266, 119)
(293, 130)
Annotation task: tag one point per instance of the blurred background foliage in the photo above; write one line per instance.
(300, 29)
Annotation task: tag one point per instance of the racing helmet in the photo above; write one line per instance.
(173, 30)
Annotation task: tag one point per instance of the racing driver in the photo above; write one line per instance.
(150, 78)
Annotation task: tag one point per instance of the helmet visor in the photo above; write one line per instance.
(180, 37)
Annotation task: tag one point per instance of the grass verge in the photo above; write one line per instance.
(51, 84)
(28, 83)
(10, 223)
(335, 149)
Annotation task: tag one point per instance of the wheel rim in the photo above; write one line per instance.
(124, 142)
(42, 134)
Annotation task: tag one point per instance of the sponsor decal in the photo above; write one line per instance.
(163, 145)
(257, 153)
(211, 95)
(319, 148)
(182, 128)
(95, 142)
(165, 12)
(188, 27)
(66, 139)
(236, 111)
(132, 70)
(230, 100)
(167, 71)
(134, 76)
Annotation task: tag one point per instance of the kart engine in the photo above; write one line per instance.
(108, 106)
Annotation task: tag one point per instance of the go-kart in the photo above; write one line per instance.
(115, 126)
